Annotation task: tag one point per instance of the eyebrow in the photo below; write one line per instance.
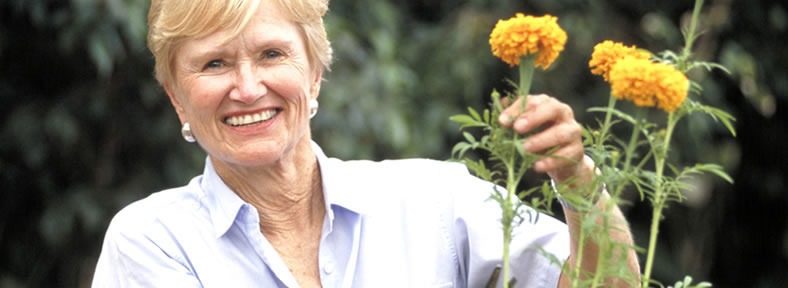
(210, 52)
(215, 51)
(267, 43)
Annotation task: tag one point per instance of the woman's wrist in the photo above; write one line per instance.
(593, 198)
(580, 183)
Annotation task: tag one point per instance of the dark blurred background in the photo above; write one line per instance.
(85, 129)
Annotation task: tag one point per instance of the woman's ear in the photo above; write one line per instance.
(176, 103)
(314, 89)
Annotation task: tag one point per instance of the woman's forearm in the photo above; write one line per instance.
(617, 229)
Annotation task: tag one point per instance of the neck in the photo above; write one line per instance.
(287, 194)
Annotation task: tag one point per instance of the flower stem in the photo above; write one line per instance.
(693, 25)
(526, 75)
(659, 198)
(652, 243)
(660, 156)
(690, 37)
(606, 126)
(639, 114)
(603, 256)
(507, 239)
(581, 244)
(508, 215)
(633, 140)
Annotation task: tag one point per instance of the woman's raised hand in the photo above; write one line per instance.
(558, 128)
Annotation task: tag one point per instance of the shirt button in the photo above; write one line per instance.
(328, 267)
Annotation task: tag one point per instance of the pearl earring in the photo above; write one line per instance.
(313, 105)
(186, 132)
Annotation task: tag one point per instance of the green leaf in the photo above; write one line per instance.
(715, 113)
(667, 57)
(466, 121)
(708, 65)
(469, 137)
(614, 111)
(687, 283)
(716, 170)
(722, 116)
(518, 145)
(673, 168)
(461, 118)
(484, 140)
(496, 97)
(480, 170)
(459, 150)
(474, 114)
(710, 168)
(695, 87)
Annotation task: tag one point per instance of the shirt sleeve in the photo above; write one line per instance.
(130, 257)
(478, 237)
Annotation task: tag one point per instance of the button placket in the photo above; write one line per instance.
(326, 258)
(328, 267)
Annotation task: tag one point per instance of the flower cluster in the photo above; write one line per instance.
(522, 35)
(606, 53)
(648, 84)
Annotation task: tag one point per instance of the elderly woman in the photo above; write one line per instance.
(271, 210)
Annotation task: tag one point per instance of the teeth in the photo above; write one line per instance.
(250, 118)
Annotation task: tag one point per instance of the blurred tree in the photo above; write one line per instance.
(86, 129)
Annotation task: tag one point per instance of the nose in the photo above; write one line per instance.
(248, 85)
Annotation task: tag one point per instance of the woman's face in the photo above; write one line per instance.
(247, 99)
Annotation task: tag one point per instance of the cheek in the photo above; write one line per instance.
(290, 84)
(205, 94)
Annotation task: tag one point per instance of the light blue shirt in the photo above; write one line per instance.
(400, 223)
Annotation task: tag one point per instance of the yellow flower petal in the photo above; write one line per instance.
(522, 35)
(608, 52)
(648, 84)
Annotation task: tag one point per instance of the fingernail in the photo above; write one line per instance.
(521, 125)
(539, 165)
(527, 146)
(505, 119)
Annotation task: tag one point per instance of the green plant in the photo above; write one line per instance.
(647, 81)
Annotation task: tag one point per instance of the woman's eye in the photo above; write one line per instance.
(213, 64)
(272, 54)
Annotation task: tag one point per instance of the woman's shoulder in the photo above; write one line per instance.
(159, 211)
(149, 237)
(408, 180)
(413, 168)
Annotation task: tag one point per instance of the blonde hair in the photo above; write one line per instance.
(170, 22)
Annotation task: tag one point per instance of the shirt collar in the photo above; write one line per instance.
(223, 204)
(339, 184)
(338, 190)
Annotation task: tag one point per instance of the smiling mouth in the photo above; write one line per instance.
(251, 119)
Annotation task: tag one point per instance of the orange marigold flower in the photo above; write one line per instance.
(648, 84)
(522, 35)
(606, 53)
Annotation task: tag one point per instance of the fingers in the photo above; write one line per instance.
(562, 164)
(565, 136)
(560, 134)
(559, 130)
(509, 114)
(538, 111)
